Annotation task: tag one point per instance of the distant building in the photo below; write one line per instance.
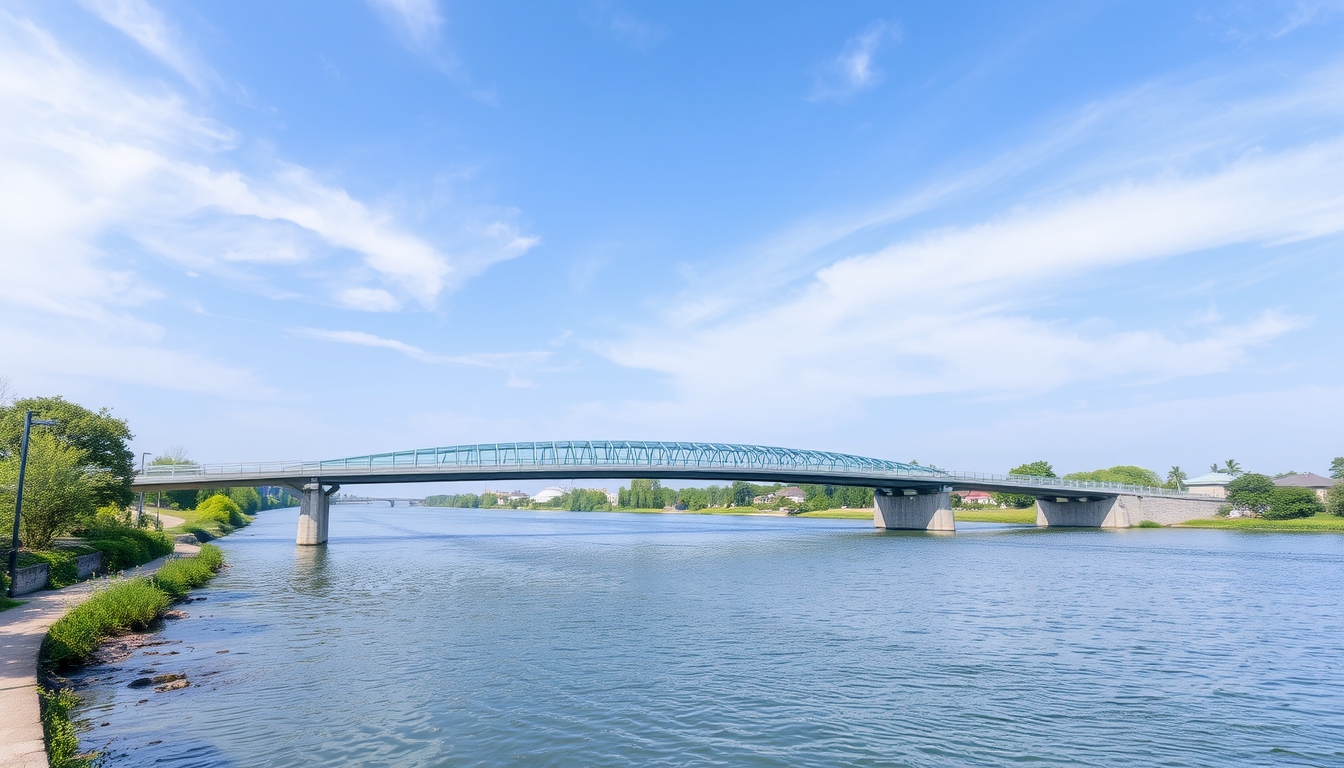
(1212, 484)
(975, 497)
(792, 493)
(507, 497)
(613, 497)
(549, 494)
(1306, 480)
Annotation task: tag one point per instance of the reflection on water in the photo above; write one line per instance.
(425, 637)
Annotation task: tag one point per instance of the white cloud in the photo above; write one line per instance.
(854, 69)
(923, 315)
(418, 22)
(504, 361)
(146, 25)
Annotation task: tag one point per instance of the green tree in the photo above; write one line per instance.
(1231, 467)
(176, 456)
(1176, 479)
(1121, 474)
(57, 493)
(101, 437)
(1288, 503)
(1021, 500)
(1334, 499)
(1252, 492)
(1337, 468)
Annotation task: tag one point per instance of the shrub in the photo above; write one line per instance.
(1334, 499)
(1288, 503)
(125, 547)
(127, 604)
(1149, 524)
(177, 577)
(223, 510)
(62, 571)
(1251, 492)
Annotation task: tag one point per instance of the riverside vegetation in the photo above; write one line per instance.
(123, 606)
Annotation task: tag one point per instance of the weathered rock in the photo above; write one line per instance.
(173, 686)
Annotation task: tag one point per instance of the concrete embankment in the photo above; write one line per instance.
(21, 633)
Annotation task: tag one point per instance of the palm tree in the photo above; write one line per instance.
(1176, 478)
(1215, 468)
(1232, 468)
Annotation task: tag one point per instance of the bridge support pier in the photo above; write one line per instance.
(314, 510)
(898, 510)
(1122, 511)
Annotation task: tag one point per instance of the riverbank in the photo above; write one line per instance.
(987, 515)
(1321, 522)
(22, 630)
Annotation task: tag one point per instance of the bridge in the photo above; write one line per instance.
(907, 496)
(391, 501)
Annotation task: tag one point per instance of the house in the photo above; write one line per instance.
(508, 497)
(613, 497)
(1211, 484)
(1306, 480)
(975, 497)
(792, 493)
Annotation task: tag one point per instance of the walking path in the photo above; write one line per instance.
(21, 633)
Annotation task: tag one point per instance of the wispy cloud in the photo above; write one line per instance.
(855, 68)
(620, 24)
(503, 361)
(418, 22)
(144, 24)
(922, 315)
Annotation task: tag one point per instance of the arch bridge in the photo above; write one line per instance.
(908, 495)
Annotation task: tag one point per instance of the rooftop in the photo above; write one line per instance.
(1304, 480)
(1211, 478)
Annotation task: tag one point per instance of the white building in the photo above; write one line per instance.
(548, 494)
(1212, 484)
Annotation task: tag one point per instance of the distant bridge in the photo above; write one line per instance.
(909, 496)
(391, 501)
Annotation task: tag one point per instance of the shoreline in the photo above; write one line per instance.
(22, 630)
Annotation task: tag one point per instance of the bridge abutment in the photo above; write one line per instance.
(1122, 511)
(895, 510)
(314, 512)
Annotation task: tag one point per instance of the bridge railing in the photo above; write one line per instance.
(624, 457)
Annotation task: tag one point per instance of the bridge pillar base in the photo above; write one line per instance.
(1122, 511)
(896, 511)
(314, 512)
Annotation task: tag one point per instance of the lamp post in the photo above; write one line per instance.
(140, 506)
(28, 422)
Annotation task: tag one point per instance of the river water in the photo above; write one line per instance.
(427, 637)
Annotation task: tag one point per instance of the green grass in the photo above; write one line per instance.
(1321, 522)
(6, 603)
(127, 604)
(61, 568)
(1149, 524)
(59, 730)
(194, 520)
(991, 515)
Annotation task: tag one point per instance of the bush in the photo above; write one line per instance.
(62, 743)
(62, 571)
(223, 510)
(56, 492)
(124, 547)
(177, 577)
(1288, 503)
(1334, 499)
(127, 604)
(1251, 492)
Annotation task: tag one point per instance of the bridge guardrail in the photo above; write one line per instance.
(631, 456)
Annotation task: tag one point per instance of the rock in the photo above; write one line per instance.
(173, 686)
(226, 650)
(140, 682)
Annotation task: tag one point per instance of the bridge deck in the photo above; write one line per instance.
(620, 460)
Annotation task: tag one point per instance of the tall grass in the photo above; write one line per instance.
(62, 743)
(127, 604)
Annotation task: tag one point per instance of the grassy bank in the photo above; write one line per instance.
(126, 605)
(1321, 522)
(206, 525)
(990, 515)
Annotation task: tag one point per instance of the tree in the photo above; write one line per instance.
(1176, 479)
(57, 494)
(1252, 492)
(1124, 473)
(1021, 500)
(1288, 503)
(1231, 467)
(100, 436)
(176, 456)
(1337, 468)
(1334, 499)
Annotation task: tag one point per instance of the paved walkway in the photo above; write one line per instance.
(21, 633)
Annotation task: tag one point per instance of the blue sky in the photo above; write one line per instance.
(971, 234)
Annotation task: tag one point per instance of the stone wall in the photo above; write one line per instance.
(30, 578)
(1125, 511)
(88, 565)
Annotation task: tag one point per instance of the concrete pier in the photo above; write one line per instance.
(899, 510)
(1122, 511)
(314, 511)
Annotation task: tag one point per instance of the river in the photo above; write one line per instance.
(427, 637)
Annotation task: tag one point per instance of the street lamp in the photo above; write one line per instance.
(140, 506)
(28, 422)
